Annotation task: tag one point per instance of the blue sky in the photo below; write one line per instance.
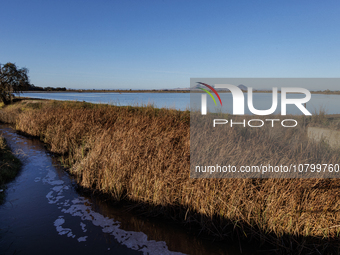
(162, 44)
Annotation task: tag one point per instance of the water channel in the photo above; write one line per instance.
(44, 214)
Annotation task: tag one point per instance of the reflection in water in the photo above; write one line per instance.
(43, 214)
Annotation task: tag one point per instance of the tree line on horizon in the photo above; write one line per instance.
(15, 80)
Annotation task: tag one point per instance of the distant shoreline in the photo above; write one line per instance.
(162, 91)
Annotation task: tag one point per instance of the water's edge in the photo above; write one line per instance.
(43, 213)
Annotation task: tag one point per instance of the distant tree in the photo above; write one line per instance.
(12, 80)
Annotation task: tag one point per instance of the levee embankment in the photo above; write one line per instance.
(142, 154)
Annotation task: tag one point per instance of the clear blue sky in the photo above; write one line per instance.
(162, 44)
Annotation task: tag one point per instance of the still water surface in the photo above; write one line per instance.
(181, 101)
(44, 214)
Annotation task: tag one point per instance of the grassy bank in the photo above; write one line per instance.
(9, 167)
(142, 154)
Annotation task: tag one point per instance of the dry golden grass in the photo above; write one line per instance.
(143, 154)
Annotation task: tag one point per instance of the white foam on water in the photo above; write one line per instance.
(66, 203)
(81, 207)
(49, 177)
(82, 239)
(53, 199)
(59, 189)
(63, 231)
(131, 239)
(83, 226)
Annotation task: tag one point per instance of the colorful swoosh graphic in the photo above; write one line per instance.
(209, 94)
(208, 86)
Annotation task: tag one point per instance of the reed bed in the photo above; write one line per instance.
(142, 154)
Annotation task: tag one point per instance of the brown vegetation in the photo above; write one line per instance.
(9, 167)
(142, 154)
